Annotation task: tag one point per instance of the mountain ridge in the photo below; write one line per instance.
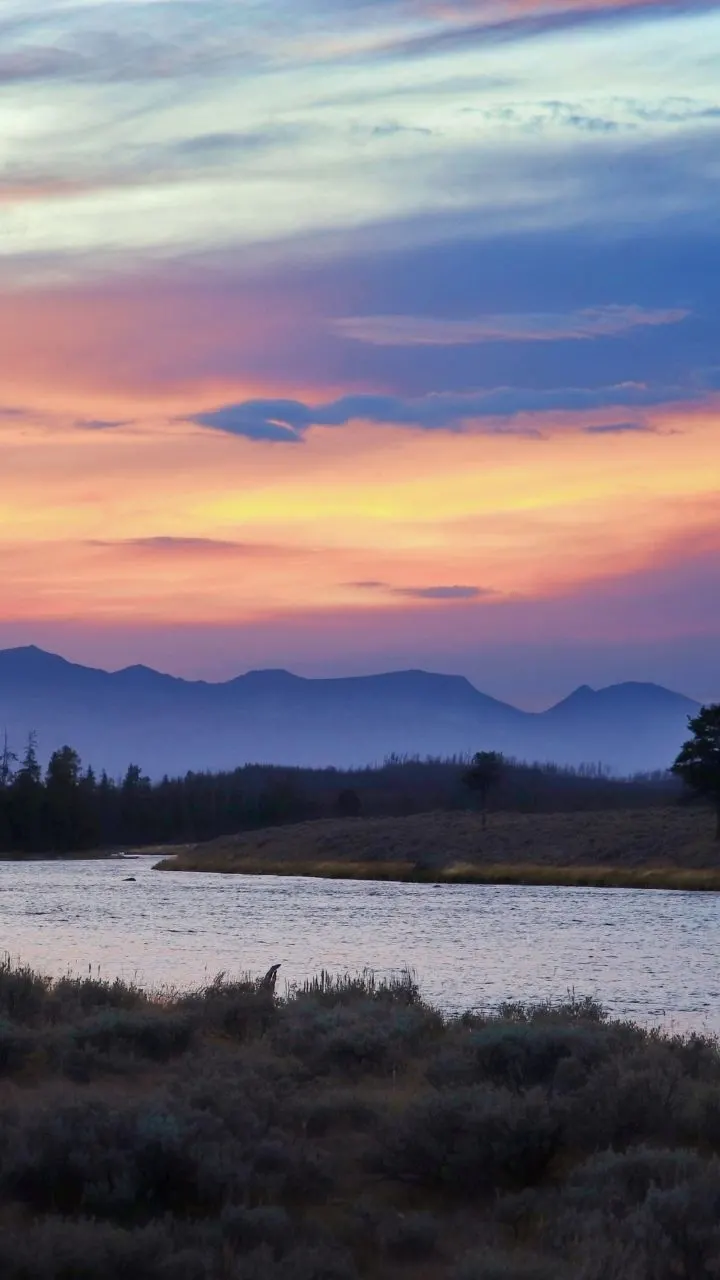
(401, 673)
(168, 723)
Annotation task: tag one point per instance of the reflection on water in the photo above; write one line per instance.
(646, 954)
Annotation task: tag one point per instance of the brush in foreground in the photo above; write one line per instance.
(347, 1131)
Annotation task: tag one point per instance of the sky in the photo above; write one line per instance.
(355, 335)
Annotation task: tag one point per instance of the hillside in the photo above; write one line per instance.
(169, 725)
(440, 844)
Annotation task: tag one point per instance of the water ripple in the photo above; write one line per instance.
(647, 954)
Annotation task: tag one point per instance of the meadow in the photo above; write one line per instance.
(346, 1131)
(665, 847)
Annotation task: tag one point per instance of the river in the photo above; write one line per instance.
(649, 955)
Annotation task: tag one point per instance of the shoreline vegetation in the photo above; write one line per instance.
(664, 848)
(550, 877)
(68, 808)
(347, 1131)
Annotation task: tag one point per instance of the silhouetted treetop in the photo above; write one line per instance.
(698, 763)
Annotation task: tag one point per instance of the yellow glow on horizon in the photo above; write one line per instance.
(171, 522)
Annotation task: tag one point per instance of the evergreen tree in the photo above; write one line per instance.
(136, 807)
(27, 802)
(8, 760)
(698, 764)
(483, 776)
(64, 801)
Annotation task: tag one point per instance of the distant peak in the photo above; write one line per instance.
(269, 675)
(31, 653)
(139, 671)
(628, 696)
(583, 693)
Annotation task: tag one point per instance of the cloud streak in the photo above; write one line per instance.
(287, 421)
(465, 24)
(433, 592)
(107, 43)
(180, 547)
(421, 331)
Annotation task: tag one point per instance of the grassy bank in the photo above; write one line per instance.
(523, 873)
(347, 1132)
(665, 848)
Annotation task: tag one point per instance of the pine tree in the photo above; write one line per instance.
(698, 763)
(7, 760)
(483, 776)
(27, 801)
(63, 797)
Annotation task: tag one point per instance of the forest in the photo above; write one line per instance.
(66, 807)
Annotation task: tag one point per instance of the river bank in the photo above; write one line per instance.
(667, 848)
(682, 879)
(111, 854)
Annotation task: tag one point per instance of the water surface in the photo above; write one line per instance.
(649, 954)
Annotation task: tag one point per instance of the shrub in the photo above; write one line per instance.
(23, 993)
(246, 1229)
(16, 1047)
(91, 1158)
(70, 997)
(306, 1262)
(86, 1250)
(520, 1056)
(573, 1009)
(473, 1141)
(154, 1034)
(367, 1035)
(409, 1237)
(336, 1111)
(674, 1232)
(491, 1264)
(625, 1178)
(240, 1010)
(683, 1225)
(332, 989)
(626, 1100)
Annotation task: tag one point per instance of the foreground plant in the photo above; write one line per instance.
(347, 1132)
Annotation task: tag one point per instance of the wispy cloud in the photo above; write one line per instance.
(289, 420)
(461, 24)
(421, 331)
(168, 545)
(616, 428)
(440, 592)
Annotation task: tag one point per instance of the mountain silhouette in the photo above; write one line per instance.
(169, 725)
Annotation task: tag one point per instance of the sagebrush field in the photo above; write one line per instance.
(347, 1131)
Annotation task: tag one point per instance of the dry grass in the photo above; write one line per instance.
(651, 848)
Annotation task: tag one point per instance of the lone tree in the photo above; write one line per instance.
(348, 803)
(485, 772)
(698, 763)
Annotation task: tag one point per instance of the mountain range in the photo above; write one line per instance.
(169, 725)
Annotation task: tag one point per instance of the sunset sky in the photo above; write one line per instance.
(349, 335)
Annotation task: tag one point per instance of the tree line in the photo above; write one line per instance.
(66, 807)
(696, 766)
